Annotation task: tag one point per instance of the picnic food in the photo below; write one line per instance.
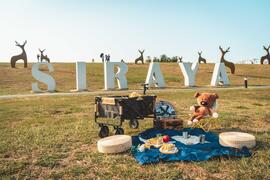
(168, 148)
(156, 142)
(237, 139)
(134, 94)
(114, 144)
(166, 138)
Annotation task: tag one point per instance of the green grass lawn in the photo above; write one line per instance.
(55, 137)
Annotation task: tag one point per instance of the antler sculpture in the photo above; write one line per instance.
(267, 56)
(140, 58)
(102, 56)
(180, 59)
(22, 56)
(227, 63)
(107, 57)
(42, 56)
(201, 59)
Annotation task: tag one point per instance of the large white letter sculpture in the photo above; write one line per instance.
(43, 77)
(189, 71)
(154, 76)
(220, 74)
(109, 75)
(81, 83)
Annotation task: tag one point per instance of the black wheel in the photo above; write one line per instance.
(104, 131)
(119, 131)
(134, 123)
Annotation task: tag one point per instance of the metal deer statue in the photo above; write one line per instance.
(267, 56)
(21, 56)
(201, 59)
(227, 63)
(180, 59)
(102, 56)
(140, 58)
(107, 57)
(42, 56)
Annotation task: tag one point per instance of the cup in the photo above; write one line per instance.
(202, 138)
(185, 134)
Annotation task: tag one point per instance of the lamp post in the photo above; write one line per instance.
(246, 82)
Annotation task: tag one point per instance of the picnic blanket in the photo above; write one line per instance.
(195, 152)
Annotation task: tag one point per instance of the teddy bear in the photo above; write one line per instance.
(205, 108)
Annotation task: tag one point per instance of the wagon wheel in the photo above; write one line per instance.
(119, 131)
(104, 131)
(134, 123)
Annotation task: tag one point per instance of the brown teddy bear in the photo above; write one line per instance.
(205, 107)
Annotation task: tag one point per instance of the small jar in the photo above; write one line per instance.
(185, 134)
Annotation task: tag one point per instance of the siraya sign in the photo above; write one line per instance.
(154, 76)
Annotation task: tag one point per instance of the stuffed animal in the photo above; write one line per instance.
(205, 107)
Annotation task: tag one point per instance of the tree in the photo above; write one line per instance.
(148, 59)
(155, 59)
(174, 59)
(163, 58)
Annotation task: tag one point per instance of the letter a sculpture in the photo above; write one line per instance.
(21, 56)
(267, 56)
(227, 63)
(140, 58)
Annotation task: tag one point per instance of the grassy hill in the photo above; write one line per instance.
(14, 81)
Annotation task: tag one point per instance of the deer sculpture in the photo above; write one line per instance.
(102, 56)
(140, 58)
(228, 64)
(21, 56)
(42, 57)
(267, 56)
(107, 57)
(180, 59)
(201, 59)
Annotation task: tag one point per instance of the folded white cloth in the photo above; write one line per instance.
(191, 140)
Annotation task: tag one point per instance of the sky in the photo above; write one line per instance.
(79, 30)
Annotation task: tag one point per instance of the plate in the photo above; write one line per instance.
(174, 151)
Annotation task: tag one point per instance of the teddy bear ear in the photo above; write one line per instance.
(197, 94)
(216, 95)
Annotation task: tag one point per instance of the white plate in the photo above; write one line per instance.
(174, 151)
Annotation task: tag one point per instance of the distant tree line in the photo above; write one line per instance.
(162, 58)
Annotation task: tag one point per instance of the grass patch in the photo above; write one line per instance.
(9, 167)
(241, 107)
(78, 170)
(55, 137)
(50, 160)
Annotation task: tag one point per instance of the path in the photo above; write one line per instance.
(117, 92)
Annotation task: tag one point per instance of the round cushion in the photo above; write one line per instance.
(114, 144)
(237, 139)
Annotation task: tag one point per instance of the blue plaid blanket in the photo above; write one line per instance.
(196, 152)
